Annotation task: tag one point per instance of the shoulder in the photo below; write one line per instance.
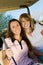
(23, 41)
(36, 25)
(8, 40)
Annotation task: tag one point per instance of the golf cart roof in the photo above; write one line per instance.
(6, 5)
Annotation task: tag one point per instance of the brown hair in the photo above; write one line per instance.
(24, 37)
(28, 18)
(9, 32)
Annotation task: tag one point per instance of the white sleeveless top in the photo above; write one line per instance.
(36, 39)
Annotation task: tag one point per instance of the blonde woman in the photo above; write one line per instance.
(28, 26)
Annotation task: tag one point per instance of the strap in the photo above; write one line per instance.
(7, 48)
(4, 42)
(14, 61)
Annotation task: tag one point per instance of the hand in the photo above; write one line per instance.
(42, 32)
(9, 53)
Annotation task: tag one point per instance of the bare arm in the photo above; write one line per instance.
(37, 52)
(33, 56)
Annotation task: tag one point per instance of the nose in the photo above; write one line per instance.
(26, 24)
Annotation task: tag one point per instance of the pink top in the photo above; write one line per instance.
(16, 48)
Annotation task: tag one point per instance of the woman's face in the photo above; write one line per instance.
(25, 23)
(15, 27)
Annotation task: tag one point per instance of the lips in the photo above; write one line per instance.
(26, 26)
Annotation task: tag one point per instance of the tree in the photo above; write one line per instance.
(4, 20)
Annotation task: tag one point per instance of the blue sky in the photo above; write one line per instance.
(36, 11)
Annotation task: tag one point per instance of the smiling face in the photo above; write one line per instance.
(15, 27)
(25, 23)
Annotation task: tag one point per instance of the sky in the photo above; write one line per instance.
(36, 11)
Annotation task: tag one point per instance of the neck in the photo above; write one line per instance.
(28, 31)
(18, 37)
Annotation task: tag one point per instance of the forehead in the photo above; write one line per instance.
(25, 19)
(14, 22)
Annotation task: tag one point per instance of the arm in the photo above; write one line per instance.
(6, 52)
(37, 52)
(33, 56)
(5, 59)
(9, 53)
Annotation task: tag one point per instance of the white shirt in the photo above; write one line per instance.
(16, 48)
(38, 26)
(36, 39)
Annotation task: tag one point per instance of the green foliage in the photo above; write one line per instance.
(4, 20)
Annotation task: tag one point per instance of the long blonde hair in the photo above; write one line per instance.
(28, 18)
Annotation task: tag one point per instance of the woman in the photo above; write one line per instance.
(19, 48)
(35, 38)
